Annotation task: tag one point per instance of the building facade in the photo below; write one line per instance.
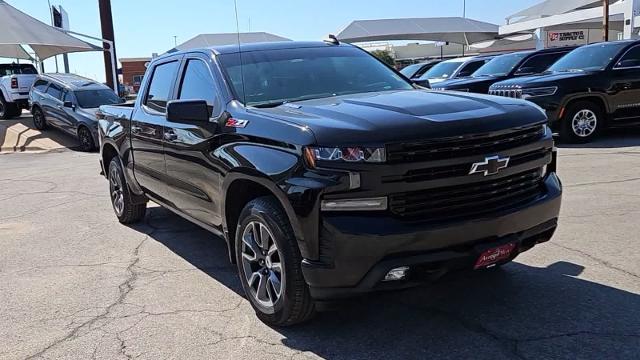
(133, 70)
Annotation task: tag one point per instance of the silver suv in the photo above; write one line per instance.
(69, 102)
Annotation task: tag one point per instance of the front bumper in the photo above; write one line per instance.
(363, 248)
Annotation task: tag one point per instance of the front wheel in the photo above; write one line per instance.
(270, 265)
(39, 122)
(582, 123)
(121, 198)
(86, 139)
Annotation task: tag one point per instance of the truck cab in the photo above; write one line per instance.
(15, 83)
(329, 174)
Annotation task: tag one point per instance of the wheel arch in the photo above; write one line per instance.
(596, 98)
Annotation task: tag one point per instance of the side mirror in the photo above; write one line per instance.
(181, 111)
(628, 63)
(68, 104)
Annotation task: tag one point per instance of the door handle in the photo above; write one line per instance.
(136, 129)
(626, 86)
(170, 136)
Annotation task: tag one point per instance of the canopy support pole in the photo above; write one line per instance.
(114, 66)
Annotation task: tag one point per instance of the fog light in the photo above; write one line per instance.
(371, 204)
(397, 274)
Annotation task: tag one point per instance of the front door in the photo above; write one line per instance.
(147, 129)
(625, 87)
(193, 176)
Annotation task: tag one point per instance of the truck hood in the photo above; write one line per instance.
(466, 83)
(408, 115)
(541, 80)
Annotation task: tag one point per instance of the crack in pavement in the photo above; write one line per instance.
(605, 263)
(601, 183)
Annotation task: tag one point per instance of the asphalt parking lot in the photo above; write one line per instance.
(75, 284)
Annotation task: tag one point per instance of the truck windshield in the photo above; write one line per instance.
(591, 57)
(442, 71)
(17, 69)
(90, 99)
(500, 65)
(273, 77)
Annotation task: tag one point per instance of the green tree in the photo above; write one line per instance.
(385, 56)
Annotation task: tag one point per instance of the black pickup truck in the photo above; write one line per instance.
(328, 173)
(503, 67)
(589, 89)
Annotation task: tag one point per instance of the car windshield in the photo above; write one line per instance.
(411, 70)
(592, 57)
(443, 70)
(17, 69)
(89, 99)
(500, 65)
(272, 77)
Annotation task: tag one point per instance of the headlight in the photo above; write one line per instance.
(345, 154)
(535, 92)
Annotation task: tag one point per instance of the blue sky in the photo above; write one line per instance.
(143, 27)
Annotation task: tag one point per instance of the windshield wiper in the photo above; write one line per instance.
(276, 103)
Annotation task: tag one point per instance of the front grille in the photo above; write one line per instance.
(479, 144)
(511, 93)
(469, 200)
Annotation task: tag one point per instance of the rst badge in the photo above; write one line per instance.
(235, 123)
(490, 166)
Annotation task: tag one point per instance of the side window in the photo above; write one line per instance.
(161, 86)
(55, 91)
(68, 96)
(40, 85)
(538, 63)
(197, 83)
(470, 68)
(630, 59)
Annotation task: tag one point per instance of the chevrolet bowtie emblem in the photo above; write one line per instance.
(490, 166)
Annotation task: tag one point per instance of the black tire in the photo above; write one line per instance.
(121, 198)
(17, 112)
(582, 123)
(294, 304)
(86, 139)
(39, 121)
(7, 109)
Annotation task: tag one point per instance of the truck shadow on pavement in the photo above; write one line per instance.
(517, 311)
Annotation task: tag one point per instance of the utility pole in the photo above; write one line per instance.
(106, 23)
(605, 20)
(464, 8)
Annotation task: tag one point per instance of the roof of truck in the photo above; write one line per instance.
(248, 47)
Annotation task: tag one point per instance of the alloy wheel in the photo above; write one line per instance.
(584, 123)
(115, 189)
(38, 119)
(85, 138)
(262, 264)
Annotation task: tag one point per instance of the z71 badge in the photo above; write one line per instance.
(237, 123)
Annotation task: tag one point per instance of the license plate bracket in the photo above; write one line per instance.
(495, 255)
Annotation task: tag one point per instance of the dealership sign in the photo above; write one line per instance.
(566, 38)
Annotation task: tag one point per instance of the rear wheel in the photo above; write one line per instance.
(121, 198)
(582, 123)
(7, 109)
(39, 121)
(86, 139)
(270, 264)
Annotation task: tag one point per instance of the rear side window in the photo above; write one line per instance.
(161, 85)
(197, 83)
(55, 91)
(539, 63)
(631, 58)
(470, 68)
(40, 85)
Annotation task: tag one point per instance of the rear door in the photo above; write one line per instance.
(625, 86)
(147, 128)
(52, 104)
(193, 175)
(67, 119)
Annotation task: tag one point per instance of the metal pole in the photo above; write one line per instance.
(112, 54)
(106, 23)
(464, 8)
(605, 20)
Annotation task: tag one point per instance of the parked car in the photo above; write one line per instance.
(15, 82)
(590, 88)
(327, 173)
(452, 69)
(69, 102)
(505, 67)
(414, 71)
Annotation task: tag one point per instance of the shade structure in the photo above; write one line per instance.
(552, 7)
(207, 40)
(451, 29)
(18, 28)
(14, 52)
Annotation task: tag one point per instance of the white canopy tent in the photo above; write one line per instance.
(18, 29)
(206, 40)
(446, 29)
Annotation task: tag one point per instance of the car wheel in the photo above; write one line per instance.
(270, 264)
(86, 139)
(39, 121)
(126, 210)
(7, 110)
(582, 123)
